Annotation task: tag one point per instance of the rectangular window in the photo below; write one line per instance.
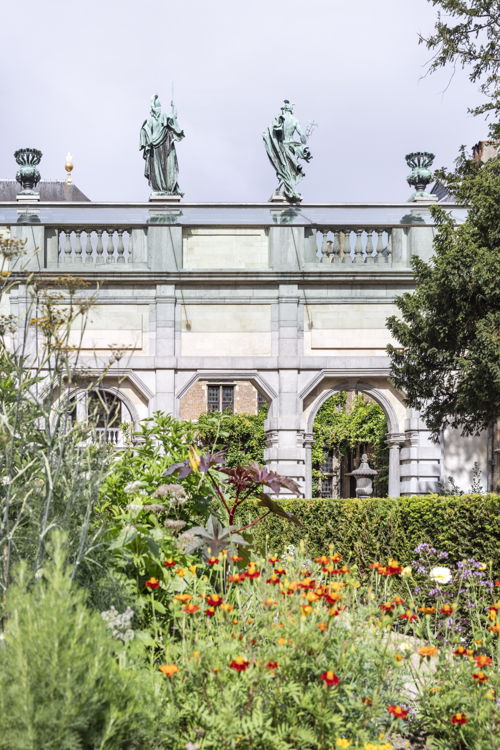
(326, 487)
(220, 398)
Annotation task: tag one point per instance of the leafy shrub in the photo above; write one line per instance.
(364, 530)
(240, 436)
(64, 682)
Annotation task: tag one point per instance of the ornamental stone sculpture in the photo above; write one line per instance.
(28, 175)
(363, 475)
(286, 146)
(157, 142)
(420, 174)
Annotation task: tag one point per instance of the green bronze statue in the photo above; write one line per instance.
(285, 146)
(158, 136)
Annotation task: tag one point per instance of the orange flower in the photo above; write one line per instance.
(214, 600)
(459, 718)
(307, 583)
(480, 676)
(428, 651)
(237, 578)
(170, 563)
(398, 712)
(279, 571)
(184, 598)
(212, 561)
(387, 607)
(446, 609)
(226, 607)
(273, 579)
(333, 612)
(398, 600)
(427, 610)
(272, 665)
(169, 669)
(408, 615)
(329, 678)
(398, 657)
(282, 641)
(181, 572)
(460, 651)
(152, 583)
(306, 609)
(482, 660)
(252, 571)
(273, 559)
(239, 664)
(322, 626)
(494, 628)
(190, 609)
(336, 557)
(323, 560)
(235, 558)
(367, 701)
(269, 603)
(210, 611)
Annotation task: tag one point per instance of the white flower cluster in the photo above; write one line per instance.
(119, 624)
(440, 574)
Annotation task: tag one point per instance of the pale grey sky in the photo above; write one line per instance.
(77, 75)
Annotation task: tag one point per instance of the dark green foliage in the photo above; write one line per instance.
(468, 35)
(241, 436)
(448, 363)
(365, 530)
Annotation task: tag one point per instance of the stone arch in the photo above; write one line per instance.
(326, 385)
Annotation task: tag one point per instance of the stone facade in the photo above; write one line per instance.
(286, 303)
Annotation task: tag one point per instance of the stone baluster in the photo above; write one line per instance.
(336, 247)
(369, 247)
(67, 246)
(88, 246)
(78, 245)
(99, 247)
(358, 247)
(324, 247)
(388, 249)
(110, 248)
(120, 249)
(380, 247)
(345, 246)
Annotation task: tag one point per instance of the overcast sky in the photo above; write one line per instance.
(77, 75)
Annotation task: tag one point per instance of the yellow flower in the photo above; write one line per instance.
(226, 607)
(406, 572)
(282, 641)
(169, 669)
(194, 458)
(428, 651)
(192, 569)
(342, 742)
(399, 657)
(306, 609)
(181, 572)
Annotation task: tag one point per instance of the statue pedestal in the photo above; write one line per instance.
(164, 198)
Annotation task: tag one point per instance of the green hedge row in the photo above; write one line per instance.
(367, 530)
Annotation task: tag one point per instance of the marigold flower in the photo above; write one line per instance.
(152, 583)
(210, 611)
(235, 558)
(169, 669)
(334, 612)
(409, 616)
(427, 610)
(311, 597)
(190, 609)
(192, 569)
(181, 572)
(367, 701)
(333, 598)
(459, 718)
(398, 601)
(184, 598)
(329, 678)
(273, 579)
(226, 607)
(282, 641)
(212, 561)
(428, 651)
(273, 559)
(239, 664)
(482, 660)
(336, 557)
(323, 560)
(322, 626)
(237, 578)
(446, 609)
(387, 607)
(307, 583)
(342, 742)
(169, 563)
(460, 651)
(272, 665)
(214, 600)
(480, 676)
(269, 603)
(398, 657)
(279, 571)
(398, 711)
(306, 609)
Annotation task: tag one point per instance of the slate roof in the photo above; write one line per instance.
(50, 190)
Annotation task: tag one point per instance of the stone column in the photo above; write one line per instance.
(308, 444)
(164, 341)
(394, 441)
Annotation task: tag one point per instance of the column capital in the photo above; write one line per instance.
(395, 439)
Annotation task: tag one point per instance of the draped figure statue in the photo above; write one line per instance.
(157, 142)
(285, 146)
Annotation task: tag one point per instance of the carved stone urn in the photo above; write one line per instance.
(420, 174)
(364, 475)
(28, 175)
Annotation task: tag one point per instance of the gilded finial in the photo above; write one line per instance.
(69, 168)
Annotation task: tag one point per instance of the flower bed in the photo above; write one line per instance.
(286, 652)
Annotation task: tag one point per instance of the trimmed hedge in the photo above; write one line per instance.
(366, 530)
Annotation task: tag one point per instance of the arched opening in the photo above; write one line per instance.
(348, 424)
(104, 410)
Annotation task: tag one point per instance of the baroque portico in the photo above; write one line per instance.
(289, 300)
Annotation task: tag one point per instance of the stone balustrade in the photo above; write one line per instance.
(359, 245)
(94, 245)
